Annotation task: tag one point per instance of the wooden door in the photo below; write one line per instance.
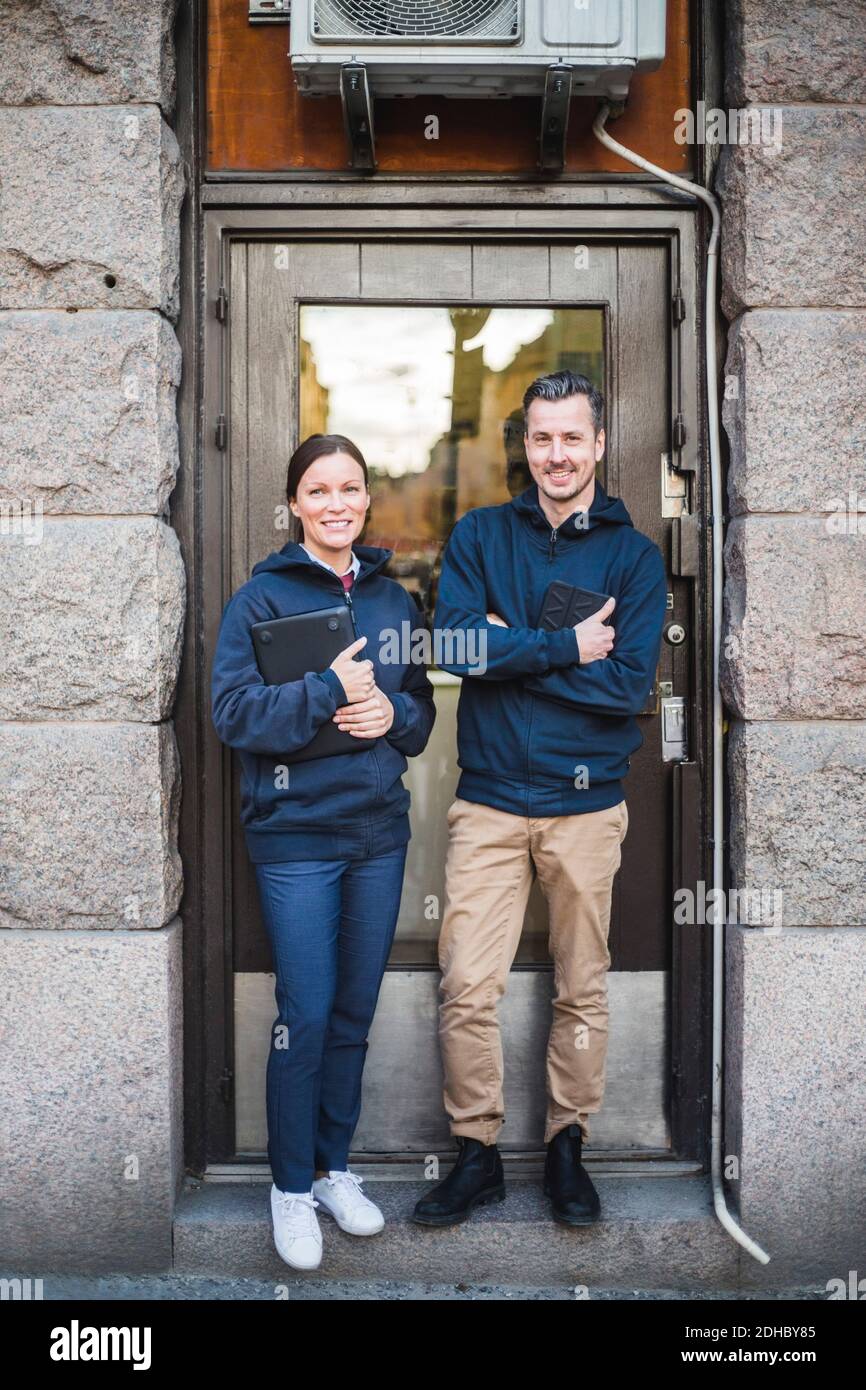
(420, 350)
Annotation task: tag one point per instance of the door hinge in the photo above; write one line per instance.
(221, 432)
(679, 305)
(227, 1086)
(679, 431)
(222, 304)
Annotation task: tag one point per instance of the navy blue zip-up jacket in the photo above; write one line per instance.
(350, 805)
(538, 733)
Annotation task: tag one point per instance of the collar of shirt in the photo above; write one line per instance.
(355, 565)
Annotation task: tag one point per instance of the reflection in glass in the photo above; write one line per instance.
(432, 396)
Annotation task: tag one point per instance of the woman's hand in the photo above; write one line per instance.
(356, 677)
(369, 718)
(496, 620)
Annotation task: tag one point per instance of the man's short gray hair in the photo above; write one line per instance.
(560, 386)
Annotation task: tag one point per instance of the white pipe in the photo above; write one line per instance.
(719, 913)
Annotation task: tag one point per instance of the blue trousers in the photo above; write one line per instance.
(331, 923)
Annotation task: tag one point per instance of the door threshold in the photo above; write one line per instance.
(380, 1169)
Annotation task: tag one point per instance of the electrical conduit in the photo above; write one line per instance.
(719, 914)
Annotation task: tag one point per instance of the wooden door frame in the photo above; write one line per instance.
(432, 210)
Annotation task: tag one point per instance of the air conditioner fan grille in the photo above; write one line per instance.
(415, 20)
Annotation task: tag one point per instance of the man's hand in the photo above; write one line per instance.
(370, 718)
(594, 637)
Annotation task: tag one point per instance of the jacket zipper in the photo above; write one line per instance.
(258, 808)
(351, 605)
(528, 739)
(376, 762)
(348, 597)
(344, 592)
(551, 549)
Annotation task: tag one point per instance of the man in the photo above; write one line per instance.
(546, 724)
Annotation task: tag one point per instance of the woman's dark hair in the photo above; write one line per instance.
(317, 446)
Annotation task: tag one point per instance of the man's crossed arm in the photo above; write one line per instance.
(591, 667)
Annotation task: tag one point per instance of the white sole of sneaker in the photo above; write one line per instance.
(349, 1232)
(294, 1264)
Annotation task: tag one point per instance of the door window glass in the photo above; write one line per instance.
(432, 397)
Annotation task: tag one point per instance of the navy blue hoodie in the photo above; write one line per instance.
(538, 733)
(350, 805)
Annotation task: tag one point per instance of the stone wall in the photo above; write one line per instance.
(794, 671)
(92, 595)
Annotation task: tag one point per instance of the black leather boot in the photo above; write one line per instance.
(574, 1199)
(476, 1179)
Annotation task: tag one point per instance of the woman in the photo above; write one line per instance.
(327, 836)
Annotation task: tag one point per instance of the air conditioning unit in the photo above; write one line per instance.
(475, 48)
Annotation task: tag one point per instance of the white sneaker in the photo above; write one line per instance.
(340, 1195)
(296, 1228)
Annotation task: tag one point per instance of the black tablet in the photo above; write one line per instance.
(287, 649)
(566, 605)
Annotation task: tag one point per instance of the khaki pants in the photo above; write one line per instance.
(490, 866)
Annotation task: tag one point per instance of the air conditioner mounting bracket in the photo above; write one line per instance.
(554, 118)
(358, 116)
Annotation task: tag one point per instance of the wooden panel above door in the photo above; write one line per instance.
(257, 122)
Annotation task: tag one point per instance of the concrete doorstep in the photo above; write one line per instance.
(656, 1233)
(291, 1288)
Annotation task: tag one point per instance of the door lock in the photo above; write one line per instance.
(674, 493)
(675, 634)
(675, 747)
